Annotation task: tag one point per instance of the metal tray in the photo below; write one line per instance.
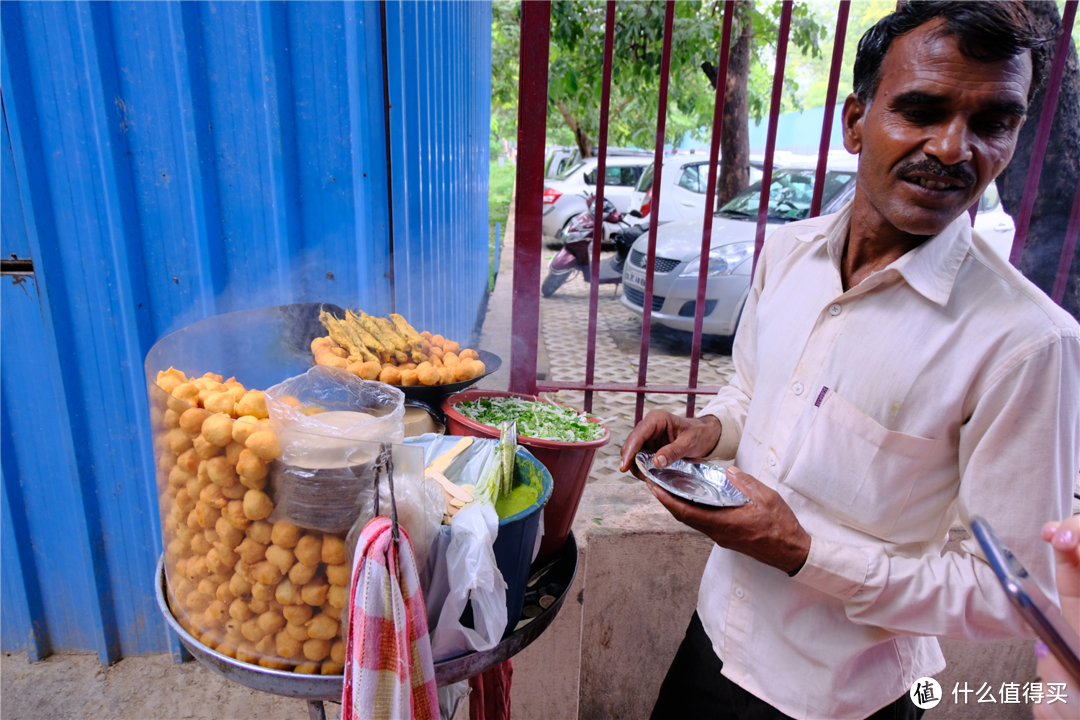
(328, 687)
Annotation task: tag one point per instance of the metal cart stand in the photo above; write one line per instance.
(317, 688)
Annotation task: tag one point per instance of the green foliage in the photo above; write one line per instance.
(576, 65)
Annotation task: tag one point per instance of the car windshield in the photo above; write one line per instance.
(570, 170)
(645, 183)
(789, 195)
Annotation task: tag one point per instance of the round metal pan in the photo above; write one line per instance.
(328, 687)
(433, 394)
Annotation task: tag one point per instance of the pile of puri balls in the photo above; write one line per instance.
(269, 594)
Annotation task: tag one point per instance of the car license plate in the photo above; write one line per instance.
(632, 277)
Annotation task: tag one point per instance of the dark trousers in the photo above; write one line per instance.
(694, 688)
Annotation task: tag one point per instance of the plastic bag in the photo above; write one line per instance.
(328, 459)
(466, 569)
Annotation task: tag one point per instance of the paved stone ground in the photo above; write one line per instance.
(564, 324)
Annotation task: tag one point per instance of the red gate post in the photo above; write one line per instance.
(528, 209)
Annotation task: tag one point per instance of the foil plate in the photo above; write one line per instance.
(697, 482)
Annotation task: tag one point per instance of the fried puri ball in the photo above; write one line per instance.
(338, 574)
(251, 631)
(390, 375)
(297, 614)
(308, 668)
(189, 461)
(257, 505)
(337, 595)
(314, 593)
(463, 371)
(168, 383)
(309, 550)
(266, 573)
(261, 532)
(262, 592)
(332, 611)
(297, 631)
(218, 429)
(232, 452)
(286, 645)
(239, 586)
(228, 555)
(446, 376)
(234, 513)
(177, 440)
(244, 427)
(322, 627)
(220, 402)
(271, 621)
(370, 370)
(252, 403)
(333, 550)
(315, 650)
(264, 444)
(285, 534)
(187, 393)
(251, 551)
(469, 353)
(259, 606)
(206, 449)
(409, 378)
(235, 491)
(220, 472)
(450, 359)
(332, 668)
(251, 467)
(337, 651)
(282, 558)
(428, 375)
(287, 594)
(301, 574)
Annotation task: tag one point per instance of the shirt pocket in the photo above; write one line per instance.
(855, 468)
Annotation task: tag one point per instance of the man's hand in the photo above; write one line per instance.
(671, 437)
(766, 529)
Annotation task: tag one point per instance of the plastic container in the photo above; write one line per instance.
(568, 462)
(236, 578)
(517, 536)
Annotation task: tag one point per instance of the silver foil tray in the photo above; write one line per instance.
(697, 482)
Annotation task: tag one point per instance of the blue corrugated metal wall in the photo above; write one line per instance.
(163, 162)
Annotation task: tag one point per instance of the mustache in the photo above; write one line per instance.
(934, 167)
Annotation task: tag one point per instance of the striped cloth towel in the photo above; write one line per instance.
(389, 673)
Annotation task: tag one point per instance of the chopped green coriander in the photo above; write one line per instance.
(535, 418)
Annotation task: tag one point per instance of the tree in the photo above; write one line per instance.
(1059, 177)
(576, 64)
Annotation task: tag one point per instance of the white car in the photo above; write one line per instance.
(565, 196)
(683, 197)
(678, 247)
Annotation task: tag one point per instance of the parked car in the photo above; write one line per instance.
(678, 247)
(683, 196)
(560, 157)
(565, 196)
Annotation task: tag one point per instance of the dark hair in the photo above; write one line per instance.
(985, 31)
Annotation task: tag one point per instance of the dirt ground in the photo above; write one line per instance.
(136, 688)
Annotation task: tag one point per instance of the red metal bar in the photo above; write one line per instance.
(598, 205)
(774, 116)
(528, 210)
(830, 105)
(1067, 250)
(1053, 86)
(658, 168)
(710, 194)
(623, 387)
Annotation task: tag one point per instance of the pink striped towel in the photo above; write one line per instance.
(389, 673)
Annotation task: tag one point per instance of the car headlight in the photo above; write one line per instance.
(722, 260)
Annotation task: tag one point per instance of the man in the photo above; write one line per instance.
(891, 374)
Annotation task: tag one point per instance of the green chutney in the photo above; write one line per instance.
(522, 497)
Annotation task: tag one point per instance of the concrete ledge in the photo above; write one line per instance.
(636, 588)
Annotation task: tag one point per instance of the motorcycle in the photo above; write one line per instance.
(576, 252)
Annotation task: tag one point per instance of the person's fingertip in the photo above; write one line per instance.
(1041, 650)
(660, 461)
(1049, 530)
(1064, 539)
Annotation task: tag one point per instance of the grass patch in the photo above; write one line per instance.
(500, 190)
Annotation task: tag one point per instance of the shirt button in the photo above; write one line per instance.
(797, 388)
(739, 592)
(834, 309)
(772, 460)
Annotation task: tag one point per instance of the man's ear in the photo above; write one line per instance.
(853, 116)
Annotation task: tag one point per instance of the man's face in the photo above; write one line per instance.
(940, 127)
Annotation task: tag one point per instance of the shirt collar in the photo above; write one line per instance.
(929, 269)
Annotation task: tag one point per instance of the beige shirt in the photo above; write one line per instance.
(943, 385)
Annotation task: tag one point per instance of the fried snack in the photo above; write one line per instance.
(427, 374)
(298, 615)
(301, 574)
(253, 403)
(370, 370)
(218, 430)
(390, 375)
(309, 550)
(257, 505)
(372, 343)
(390, 332)
(409, 378)
(406, 330)
(264, 444)
(368, 323)
(333, 550)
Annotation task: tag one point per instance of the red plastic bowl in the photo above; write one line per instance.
(568, 462)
